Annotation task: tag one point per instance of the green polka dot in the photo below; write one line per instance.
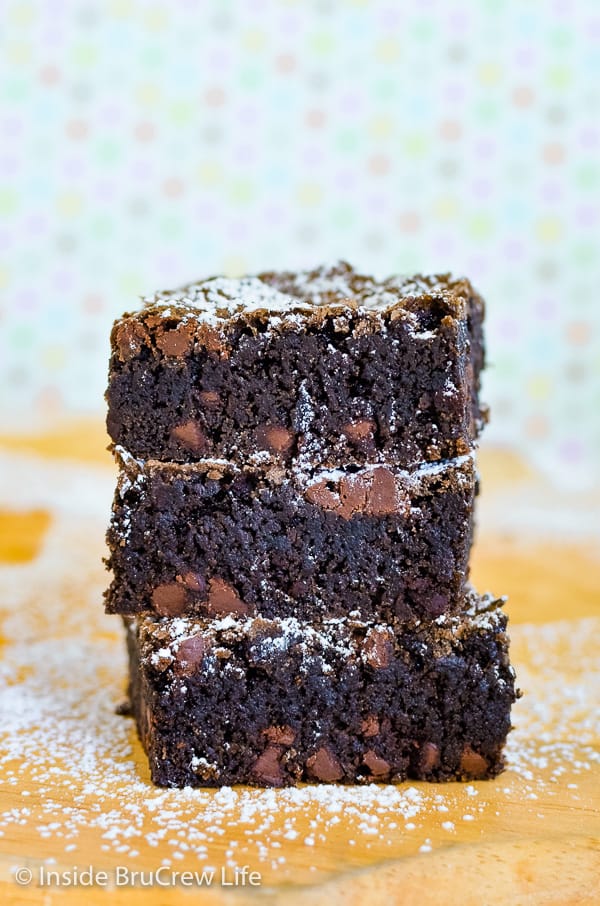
(250, 77)
(107, 151)
(242, 191)
(321, 42)
(415, 144)
(585, 253)
(480, 226)
(343, 217)
(171, 227)
(101, 226)
(84, 54)
(559, 77)
(586, 175)
(22, 336)
(347, 140)
(182, 112)
(486, 110)
(423, 29)
(8, 202)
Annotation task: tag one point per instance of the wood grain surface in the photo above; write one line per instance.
(530, 836)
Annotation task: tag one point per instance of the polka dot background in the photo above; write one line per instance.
(143, 144)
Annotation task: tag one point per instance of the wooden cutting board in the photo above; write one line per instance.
(74, 788)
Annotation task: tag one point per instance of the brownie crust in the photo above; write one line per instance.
(326, 366)
(276, 702)
(389, 543)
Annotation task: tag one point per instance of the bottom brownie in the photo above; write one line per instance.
(274, 702)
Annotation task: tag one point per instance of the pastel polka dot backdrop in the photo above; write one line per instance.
(144, 144)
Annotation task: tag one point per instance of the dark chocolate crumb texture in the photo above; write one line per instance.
(274, 702)
(328, 365)
(212, 538)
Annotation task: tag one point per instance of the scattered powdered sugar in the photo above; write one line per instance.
(72, 771)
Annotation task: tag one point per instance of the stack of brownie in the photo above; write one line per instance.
(291, 531)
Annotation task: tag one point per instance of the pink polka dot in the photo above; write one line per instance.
(443, 246)
(551, 191)
(312, 156)
(345, 178)
(572, 450)
(485, 147)
(508, 328)
(274, 214)
(514, 250)
(587, 215)
(238, 230)
(545, 308)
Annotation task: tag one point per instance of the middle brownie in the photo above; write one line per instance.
(211, 538)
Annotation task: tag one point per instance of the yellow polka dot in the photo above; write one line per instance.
(121, 9)
(210, 172)
(539, 387)
(381, 126)
(21, 14)
(234, 266)
(253, 39)
(69, 204)
(310, 193)
(53, 357)
(147, 93)
(155, 19)
(130, 283)
(489, 73)
(4, 277)
(387, 50)
(549, 229)
(18, 53)
(446, 207)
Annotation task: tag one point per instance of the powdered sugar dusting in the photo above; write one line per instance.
(73, 779)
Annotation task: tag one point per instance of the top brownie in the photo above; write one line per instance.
(329, 366)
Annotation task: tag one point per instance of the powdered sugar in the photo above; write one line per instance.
(73, 779)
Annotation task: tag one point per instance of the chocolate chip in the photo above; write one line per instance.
(195, 582)
(378, 766)
(472, 763)
(360, 430)
(170, 599)
(370, 726)
(429, 757)
(275, 438)
(177, 342)
(324, 765)
(283, 735)
(353, 495)
(378, 648)
(190, 653)
(190, 435)
(382, 495)
(267, 767)
(210, 399)
(319, 494)
(223, 598)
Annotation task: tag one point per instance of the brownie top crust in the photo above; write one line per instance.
(286, 300)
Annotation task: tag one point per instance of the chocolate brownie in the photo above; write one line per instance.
(274, 702)
(328, 366)
(212, 538)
